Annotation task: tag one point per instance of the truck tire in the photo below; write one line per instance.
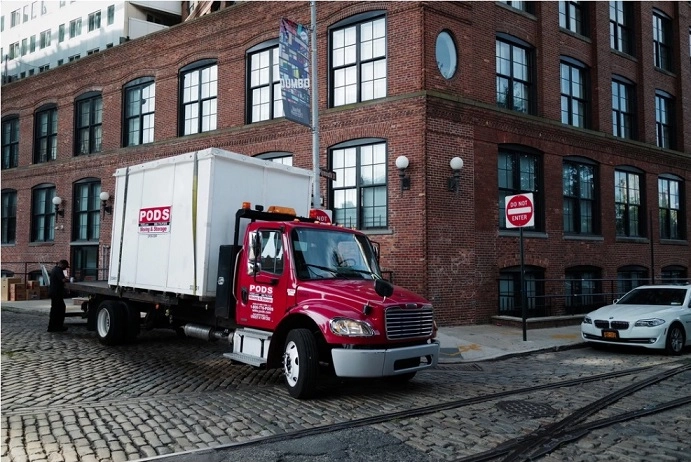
(133, 323)
(111, 322)
(301, 363)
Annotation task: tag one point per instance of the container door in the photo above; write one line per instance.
(263, 278)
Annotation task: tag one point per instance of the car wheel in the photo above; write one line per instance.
(300, 363)
(675, 340)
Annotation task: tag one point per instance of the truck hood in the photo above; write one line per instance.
(356, 292)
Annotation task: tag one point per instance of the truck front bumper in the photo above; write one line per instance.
(383, 363)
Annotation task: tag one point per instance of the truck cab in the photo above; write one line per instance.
(307, 293)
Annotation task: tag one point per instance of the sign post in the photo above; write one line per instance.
(520, 212)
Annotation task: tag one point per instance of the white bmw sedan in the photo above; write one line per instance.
(654, 316)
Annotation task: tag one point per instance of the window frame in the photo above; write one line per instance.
(94, 127)
(356, 21)
(524, 6)
(569, 12)
(516, 154)
(621, 27)
(10, 147)
(579, 202)
(535, 285)
(632, 214)
(50, 136)
(662, 41)
(139, 86)
(621, 117)
(94, 21)
(512, 80)
(198, 67)
(668, 210)
(89, 212)
(360, 188)
(275, 99)
(583, 289)
(637, 276)
(573, 66)
(664, 126)
(277, 156)
(46, 215)
(9, 217)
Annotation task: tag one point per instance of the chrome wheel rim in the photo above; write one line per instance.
(676, 341)
(291, 364)
(103, 323)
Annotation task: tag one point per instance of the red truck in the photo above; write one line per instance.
(290, 292)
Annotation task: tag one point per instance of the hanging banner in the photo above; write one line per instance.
(294, 71)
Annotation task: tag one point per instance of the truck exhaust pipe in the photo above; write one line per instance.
(202, 332)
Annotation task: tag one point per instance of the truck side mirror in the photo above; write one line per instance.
(383, 288)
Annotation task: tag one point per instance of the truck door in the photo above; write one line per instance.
(262, 279)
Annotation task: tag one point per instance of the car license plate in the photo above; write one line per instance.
(610, 334)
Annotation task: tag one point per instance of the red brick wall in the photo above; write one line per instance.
(442, 245)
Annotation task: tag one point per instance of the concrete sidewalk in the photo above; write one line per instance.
(458, 344)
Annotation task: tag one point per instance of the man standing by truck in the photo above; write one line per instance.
(57, 297)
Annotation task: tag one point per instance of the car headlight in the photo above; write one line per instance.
(350, 327)
(587, 320)
(654, 322)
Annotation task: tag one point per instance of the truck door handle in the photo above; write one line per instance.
(244, 294)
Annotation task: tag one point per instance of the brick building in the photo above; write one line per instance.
(585, 105)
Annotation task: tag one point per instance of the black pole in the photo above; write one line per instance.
(652, 249)
(524, 297)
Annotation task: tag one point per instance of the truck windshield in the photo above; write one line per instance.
(331, 254)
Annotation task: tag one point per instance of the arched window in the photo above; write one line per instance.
(198, 97)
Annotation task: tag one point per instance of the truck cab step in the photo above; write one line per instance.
(243, 358)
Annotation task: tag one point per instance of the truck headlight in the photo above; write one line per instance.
(350, 327)
(654, 322)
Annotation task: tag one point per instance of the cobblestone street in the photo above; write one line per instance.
(67, 397)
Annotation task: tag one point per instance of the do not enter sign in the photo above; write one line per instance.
(520, 211)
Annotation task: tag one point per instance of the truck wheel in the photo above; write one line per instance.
(300, 363)
(133, 323)
(110, 322)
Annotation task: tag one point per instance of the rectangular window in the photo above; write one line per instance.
(95, 21)
(111, 14)
(32, 44)
(664, 129)
(34, 10)
(140, 104)
(9, 216)
(572, 16)
(514, 82)
(518, 172)
(25, 46)
(574, 103)
(43, 68)
(75, 27)
(583, 291)
(662, 41)
(14, 50)
(91, 52)
(622, 110)
(87, 211)
(10, 143)
(264, 86)
(580, 199)
(360, 188)
(670, 209)
(42, 214)
(519, 5)
(621, 26)
(89, 113)
(358, 62)
(61, 33)
(628, 204)
(46, 133)
(45, 39)
(15, 19)
(25, 13)
(199, 99)
(72, 58)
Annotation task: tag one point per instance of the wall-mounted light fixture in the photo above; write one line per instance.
(104, 196)
(57, 200)
(402, 164)
(456, 165)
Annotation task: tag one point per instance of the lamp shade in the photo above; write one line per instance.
(57, 200)
(402, 162)
(456, 163)
(104, 195)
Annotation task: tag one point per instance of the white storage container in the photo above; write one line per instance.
(171, 215)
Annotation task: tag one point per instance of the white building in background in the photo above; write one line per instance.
(41, 35)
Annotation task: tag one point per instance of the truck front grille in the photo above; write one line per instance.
(403, 323)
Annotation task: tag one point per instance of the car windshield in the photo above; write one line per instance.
(329, 253)
(654, 296)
